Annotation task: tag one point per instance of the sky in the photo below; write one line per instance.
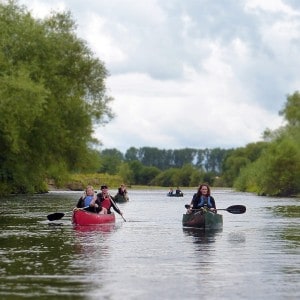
(189, 73)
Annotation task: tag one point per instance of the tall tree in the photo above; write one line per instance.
(52, 91)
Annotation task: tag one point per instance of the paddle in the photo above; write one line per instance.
(114, 203)
(233, 209)
(58, 215)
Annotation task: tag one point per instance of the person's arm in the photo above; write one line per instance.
(80, 203)
(112, 201)
(96, 202)
(192, 203)
(213, 202)
(193, 200)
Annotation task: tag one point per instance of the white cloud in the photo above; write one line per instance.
(188, 74)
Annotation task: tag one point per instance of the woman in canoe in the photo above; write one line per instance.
(202, 199)
(106, 201)
(121, 195)
(89, 201)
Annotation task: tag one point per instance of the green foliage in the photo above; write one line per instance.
(291, 110)
(52, 91)
(283, 168)
(277, 170)
(185, 176)
(110, 161)
(126, 173)
(81, 181)
(238, 159)
(166, 178)
(209, 159)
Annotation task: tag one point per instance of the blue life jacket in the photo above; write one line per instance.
(204, 201)
(88, 200)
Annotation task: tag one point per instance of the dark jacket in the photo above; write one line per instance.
(196, 202)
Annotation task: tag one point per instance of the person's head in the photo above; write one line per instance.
(89, 190)
(104, 189)
(204, 189)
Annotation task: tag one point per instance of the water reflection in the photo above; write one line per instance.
(102, 228)
(202, 236)
(290, 211)
(92, 247)
(149, 255)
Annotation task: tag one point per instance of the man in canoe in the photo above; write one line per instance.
(203, 199)
(106, 201)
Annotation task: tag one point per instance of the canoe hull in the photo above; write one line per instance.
(203, 219)
(121, 198)
(84, 218)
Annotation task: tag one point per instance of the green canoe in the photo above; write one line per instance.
(121, 198)
(203, 219)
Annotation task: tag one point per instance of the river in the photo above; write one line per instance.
(150, 256)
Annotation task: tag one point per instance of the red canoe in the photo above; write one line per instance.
(83, 217)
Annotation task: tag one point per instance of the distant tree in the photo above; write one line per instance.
(184, 156)
(147, 174)
(110, 161)
(151, 156)
(131, 154)
(238, 158)
(136, 168)
(126, 173)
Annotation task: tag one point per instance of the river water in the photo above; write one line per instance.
(255, 256)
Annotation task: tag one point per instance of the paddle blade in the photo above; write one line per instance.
(236, 209)
(55, 216)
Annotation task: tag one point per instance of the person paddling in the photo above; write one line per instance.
(203, 199)
(107, 201)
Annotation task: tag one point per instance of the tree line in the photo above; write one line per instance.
(52, 92)
(268, 167)
(153, 166)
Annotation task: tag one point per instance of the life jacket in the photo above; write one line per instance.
(204, 201)
(88, 200)
(105, 202)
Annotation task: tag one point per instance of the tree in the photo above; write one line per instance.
(291, 110)
(238, 158)
(110, 161)
(52, 91)
(277, 170)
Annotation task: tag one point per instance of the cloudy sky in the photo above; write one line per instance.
(190, 73)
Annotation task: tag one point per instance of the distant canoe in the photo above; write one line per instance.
(175, 195)
(121, 198)
(83, 217)
(203, 219)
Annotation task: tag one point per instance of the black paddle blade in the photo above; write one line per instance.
(236, 209)
(55, 216)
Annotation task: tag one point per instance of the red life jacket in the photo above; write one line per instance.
(106, 203)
